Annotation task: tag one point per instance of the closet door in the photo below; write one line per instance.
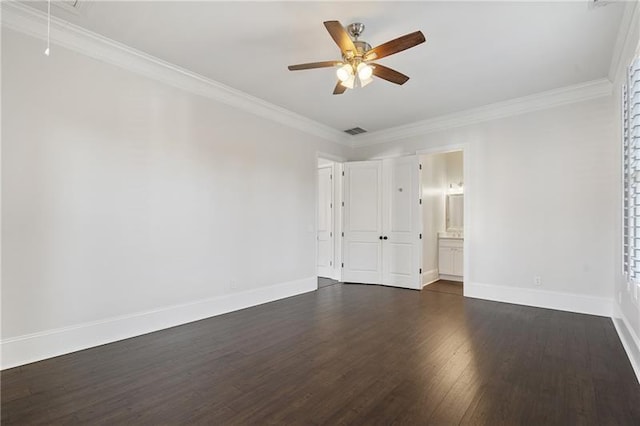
(401, 246)
(362, 244)
(325, 222)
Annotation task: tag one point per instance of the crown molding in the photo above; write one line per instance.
(33, 22)
(630, 18)
(544, 100)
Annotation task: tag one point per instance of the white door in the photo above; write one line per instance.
(362, 222)
(401, 244)
(325, 222)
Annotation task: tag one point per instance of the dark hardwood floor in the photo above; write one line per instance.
(446, 286)
(325, 282)
(346, 354)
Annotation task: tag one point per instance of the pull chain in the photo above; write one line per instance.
(46, 52)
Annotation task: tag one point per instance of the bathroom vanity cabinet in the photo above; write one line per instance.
(451, 258)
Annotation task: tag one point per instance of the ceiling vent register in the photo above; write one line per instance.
(355, 131)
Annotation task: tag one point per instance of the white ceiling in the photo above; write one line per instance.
(476, 52)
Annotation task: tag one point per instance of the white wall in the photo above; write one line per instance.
(121, 195)
(627, 310)
(455, 173)
(540, 200)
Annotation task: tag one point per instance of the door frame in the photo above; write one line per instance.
(468, 200)
(328, 271)
(336, 212)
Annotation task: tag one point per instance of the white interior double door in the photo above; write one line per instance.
(381, 222)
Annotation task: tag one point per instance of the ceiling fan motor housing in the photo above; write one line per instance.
(355, 29)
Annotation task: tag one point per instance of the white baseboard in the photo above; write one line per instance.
(457, 278)
(38, 346)
(629, 339)
(429, 277)
(541, 298)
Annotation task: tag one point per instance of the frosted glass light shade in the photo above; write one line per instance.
(364, 82)
(364, 72)
(344, 72)
(350, 82)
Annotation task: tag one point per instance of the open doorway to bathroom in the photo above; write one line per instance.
(442, 182)
(328, 248)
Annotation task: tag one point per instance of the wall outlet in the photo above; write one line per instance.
(537, 281)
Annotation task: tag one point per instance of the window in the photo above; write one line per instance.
(631, 163)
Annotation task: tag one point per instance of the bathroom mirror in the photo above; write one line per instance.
(455, 212)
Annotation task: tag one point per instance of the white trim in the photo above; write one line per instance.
(569, 302)
(549, 99)
(30, 21)
(629, 339)
(467, 153)
(429, 277)
(630, 15)
(46, 344)
(456, 278)
(337, 219)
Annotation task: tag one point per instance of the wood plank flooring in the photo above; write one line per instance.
(346, 354)
(324, 282)
(446, 286)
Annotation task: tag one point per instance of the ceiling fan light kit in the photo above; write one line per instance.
(356, 68)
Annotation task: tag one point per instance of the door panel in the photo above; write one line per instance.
(400, 259)
(402, 250)
(325, 222)
(362, 253)
(364, 256)
(363, 200)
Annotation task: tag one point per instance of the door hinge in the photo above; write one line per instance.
(419, 166)
(330, 205)
(330, 176)
(331, 234)
(331, 263)
(420, 270)
(343, 234)
(342, 173)
(420, 200)
(343, 204)
(343, 265)
(420, 236)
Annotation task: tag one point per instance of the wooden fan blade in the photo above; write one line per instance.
(339, 89)
(389, 74)
(312, 65)
(397, 45)
(340, 36)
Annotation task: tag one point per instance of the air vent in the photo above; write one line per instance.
(355, 131)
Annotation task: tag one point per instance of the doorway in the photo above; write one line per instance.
(328, 248)
(442, 187)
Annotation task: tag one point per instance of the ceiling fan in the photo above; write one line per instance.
(356, 68)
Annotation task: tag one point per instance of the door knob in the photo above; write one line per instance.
(380, 236)
(384, 238)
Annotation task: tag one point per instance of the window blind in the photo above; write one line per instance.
(631, 160)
